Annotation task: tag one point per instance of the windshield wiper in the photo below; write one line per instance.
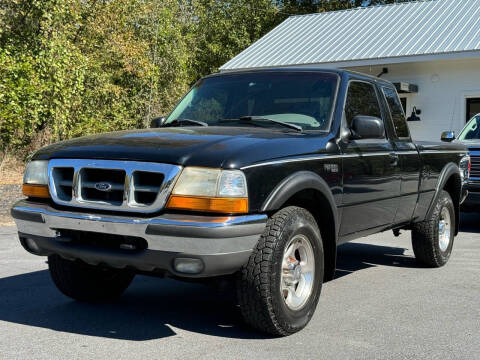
(260, 118)
(185, 121)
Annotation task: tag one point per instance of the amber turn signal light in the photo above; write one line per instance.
(37, 191)
(209, 204)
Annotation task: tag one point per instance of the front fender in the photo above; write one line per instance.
(296, 182)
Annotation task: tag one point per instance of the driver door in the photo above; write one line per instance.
(371, 178)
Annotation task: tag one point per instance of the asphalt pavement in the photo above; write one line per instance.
(381, 305)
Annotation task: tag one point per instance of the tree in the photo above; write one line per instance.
(223, 28)
(71, 68)
(77, 67)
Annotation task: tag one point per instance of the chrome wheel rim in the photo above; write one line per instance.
(298, 272)
(444, 228)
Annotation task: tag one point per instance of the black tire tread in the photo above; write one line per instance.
(425, 235)
(254, 282)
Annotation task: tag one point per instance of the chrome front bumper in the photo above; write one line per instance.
(222, 243)
(472, 200)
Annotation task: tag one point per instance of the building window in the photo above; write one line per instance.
(403, 100)
(473, 107)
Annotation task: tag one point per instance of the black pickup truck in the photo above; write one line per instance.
(255, 176)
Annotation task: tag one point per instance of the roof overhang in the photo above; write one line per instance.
(377, 62)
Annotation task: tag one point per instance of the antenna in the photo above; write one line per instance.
(453, 112)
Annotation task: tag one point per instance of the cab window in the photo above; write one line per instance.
(361, 100)
(396, 113)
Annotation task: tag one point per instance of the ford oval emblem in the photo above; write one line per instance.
(103, 186)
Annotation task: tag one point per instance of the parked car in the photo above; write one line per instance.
(470, 137)
(255, 174)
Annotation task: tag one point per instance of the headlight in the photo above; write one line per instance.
(35, 180)
(465, 166)
(212, 190)
(36, 173)
(197, 181)
(232, 184)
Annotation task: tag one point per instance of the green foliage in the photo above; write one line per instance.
(21, 103)
(225, 28)
(75, 67)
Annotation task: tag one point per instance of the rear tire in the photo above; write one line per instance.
(432, 239)
(278, 289)
(88, 283)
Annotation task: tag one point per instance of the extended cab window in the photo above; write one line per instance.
(396, 112)
(361, 100)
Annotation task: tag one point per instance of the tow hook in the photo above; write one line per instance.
(396, 232)
(62, 238)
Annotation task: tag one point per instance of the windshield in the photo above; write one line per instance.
(472, 130)
(300, 98)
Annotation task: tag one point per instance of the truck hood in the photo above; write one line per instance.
(188, 146)
(471, 145)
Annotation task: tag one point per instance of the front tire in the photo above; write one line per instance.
(278, 289)
(432, 239)
(88, 283)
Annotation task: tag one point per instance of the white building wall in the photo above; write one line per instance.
(444, 86)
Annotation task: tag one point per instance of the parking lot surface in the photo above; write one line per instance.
(381, 305)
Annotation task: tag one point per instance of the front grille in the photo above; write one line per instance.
(111, 185)
(475, 170)
(90, 178)
(146, 186)
(63, 178)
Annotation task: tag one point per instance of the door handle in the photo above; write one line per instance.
(394, 159)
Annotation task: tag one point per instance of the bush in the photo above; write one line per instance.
(71, 68)
(75, 67)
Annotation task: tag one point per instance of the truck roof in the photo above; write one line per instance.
(301, 69)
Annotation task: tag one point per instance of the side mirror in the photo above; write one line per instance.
(158, 122)
(448, 136)
(367, 127)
